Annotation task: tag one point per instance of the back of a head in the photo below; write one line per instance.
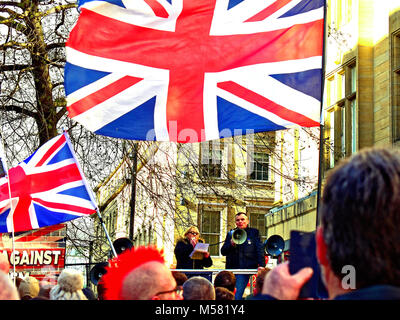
(179, 277)
(44, 292)
(7, 289)
(360, 216)
(225, 279)
(145, 281)
(29, 288)
(131, 275)
(222, 293)
(260, 279)
(198, 288)
(69, 286)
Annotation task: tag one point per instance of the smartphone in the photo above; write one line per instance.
(303, 254)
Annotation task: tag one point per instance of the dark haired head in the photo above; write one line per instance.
(222, 293)
(361, 219)
(225, 279)
(179, 277)
(239, 213)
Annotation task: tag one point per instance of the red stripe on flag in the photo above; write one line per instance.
(190, 42)
(23, 185)
(157, 8)
(2, 208)
(62, 206)
(101, 95)
(21, 216)
(4, 191)
(267, 104)
(51, 150)
(268, 11)
(215, 53)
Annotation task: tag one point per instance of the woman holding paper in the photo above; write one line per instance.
(186, 256)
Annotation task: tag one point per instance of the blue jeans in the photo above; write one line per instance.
(241, 283)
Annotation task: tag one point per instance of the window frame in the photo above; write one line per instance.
(207, 151)
(205, 234)
(263, 231)
(341, 123)
(395, 87)
(254, 166)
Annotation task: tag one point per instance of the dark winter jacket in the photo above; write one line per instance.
(182, 251)
(248, 255)
(377, 292)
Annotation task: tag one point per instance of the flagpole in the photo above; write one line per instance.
(105, 230)
(91, 195)
(12, 228)
(321, 126)
(4, 165)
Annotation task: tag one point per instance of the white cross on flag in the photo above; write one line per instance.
(195, 70)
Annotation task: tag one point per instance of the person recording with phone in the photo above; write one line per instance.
(356, 241)
(247, 254)
(184, 247)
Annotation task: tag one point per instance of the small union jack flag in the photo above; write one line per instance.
(195, 70)
(45, 189)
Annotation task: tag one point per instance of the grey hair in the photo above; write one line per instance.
(198, 288)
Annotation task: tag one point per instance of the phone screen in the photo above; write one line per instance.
(303, 254)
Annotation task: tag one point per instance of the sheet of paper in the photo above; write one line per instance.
(198, 250)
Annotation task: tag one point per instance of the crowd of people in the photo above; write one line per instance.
(358, 228)
(139, 274)
(69, 286)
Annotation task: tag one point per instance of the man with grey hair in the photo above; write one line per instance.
(198, 288)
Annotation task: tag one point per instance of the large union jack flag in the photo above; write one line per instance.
(195, 70)
(47, 188)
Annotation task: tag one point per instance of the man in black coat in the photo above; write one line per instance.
(248, 255)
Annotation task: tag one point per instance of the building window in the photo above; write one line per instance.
(210, 229)
(211, 160)
(341, 84)
(354, 142)
(340, 12)
(353, 79)
(331, 92)
(259, 166)
(396, 86)
(331, 139)
(341, 132)
(352, 105)
(257, 220)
